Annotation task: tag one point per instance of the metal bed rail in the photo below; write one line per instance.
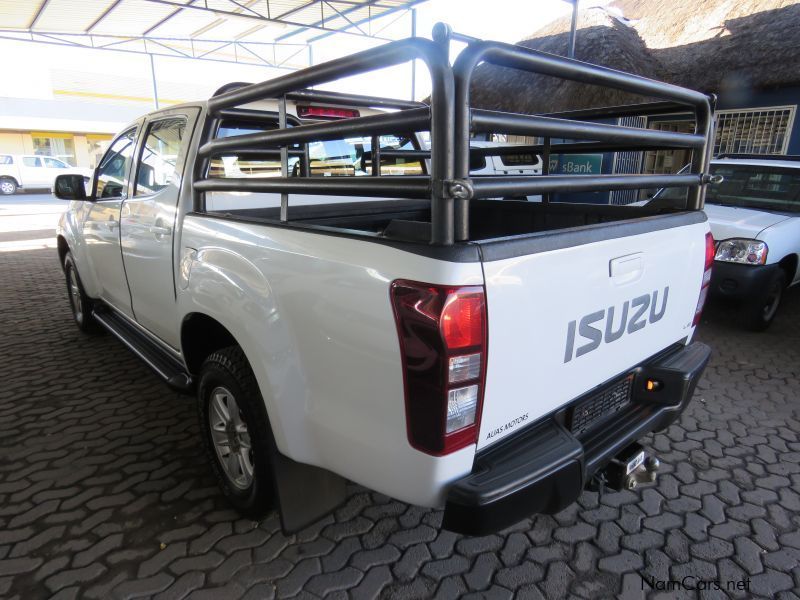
(451, 122)
(438, 118)
(469, 121)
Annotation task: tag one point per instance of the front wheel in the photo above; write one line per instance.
(235, 431)
(759, 313)
(8, 186)
(80, 304)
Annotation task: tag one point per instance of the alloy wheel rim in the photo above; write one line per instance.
(6, 187)
(231, 438)
(74, 295)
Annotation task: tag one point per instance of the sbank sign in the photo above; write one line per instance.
(576, 164)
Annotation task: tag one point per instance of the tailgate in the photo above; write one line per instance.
(555, 316)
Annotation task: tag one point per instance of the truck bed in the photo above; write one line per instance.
(409, 220)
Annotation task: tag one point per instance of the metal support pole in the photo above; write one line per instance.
(153, 75)
(306, 162)
(376, 155)
(284, 158)
(414, 62)
(310, 55)
(572, 29)
(546, 166)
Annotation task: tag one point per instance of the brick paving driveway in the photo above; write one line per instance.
(104, 491)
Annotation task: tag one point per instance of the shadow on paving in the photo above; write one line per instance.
(105, 492)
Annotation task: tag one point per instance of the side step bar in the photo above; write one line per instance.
(165, 365)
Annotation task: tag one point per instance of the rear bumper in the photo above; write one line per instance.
(738, 282)
(545, 467)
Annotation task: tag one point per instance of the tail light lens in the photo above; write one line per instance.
(701, 300)
(442, 333)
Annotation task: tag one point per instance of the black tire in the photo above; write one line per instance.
(759, 313)
(8, 186)
(227, 371)
(80, 304)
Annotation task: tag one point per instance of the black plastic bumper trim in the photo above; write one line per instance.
(544, 468)
(738, 282)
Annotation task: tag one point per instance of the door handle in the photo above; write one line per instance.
(159, 231)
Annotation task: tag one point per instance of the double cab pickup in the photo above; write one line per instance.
(347, 302)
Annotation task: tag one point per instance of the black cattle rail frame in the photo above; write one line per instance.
(451, 122)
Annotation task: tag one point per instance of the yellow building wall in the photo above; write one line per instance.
(85, 145)
(81, 151)
(27, 142)
(11, 142)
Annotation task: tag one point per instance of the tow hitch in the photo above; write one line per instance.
(627, 470)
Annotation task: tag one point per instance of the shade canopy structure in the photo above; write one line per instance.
(273, 33)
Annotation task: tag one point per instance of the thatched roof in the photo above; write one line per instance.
(713, 46)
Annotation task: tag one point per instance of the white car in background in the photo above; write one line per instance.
(754, 214)
(33, 171)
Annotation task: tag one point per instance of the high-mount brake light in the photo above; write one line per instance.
(442, 331)
(709, 263)
(326, 112)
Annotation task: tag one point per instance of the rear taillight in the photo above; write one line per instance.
(442, 331)
(710, 251)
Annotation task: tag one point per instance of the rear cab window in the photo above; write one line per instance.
(31, 161)
(346, 157)
(6, 159)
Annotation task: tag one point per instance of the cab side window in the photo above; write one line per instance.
(157, 165)
(112, 174)
(53, 163)
(31, 161)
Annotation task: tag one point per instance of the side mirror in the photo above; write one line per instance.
(70, 187)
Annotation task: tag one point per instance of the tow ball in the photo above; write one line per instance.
(627, 470)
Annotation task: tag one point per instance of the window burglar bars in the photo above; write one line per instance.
(754, 131)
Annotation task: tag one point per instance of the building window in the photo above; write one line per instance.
(58, 145)
(97, 146)
(755, 131)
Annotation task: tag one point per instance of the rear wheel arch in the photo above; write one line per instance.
(201, 336)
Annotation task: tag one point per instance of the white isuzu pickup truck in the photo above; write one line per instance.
(346, 304)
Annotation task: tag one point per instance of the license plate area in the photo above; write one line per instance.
(634, 463)
(599, 405)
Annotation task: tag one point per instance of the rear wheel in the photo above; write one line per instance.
(8, 186)
(759, 313)
(235, 431)
(80, 304)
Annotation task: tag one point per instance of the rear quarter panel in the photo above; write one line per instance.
(312, 313)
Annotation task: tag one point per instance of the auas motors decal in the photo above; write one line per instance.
(592, 327)
(507, 426)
